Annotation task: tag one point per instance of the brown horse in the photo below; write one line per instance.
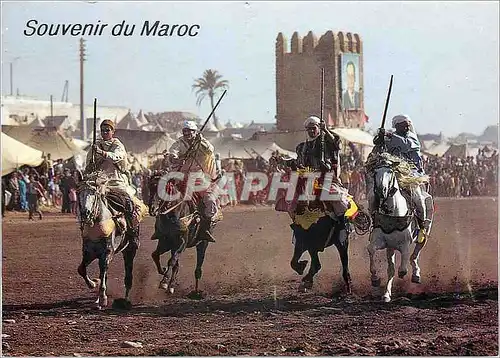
(176, 228)
(326, 230)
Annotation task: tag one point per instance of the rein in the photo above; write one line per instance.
(99, 196)
(392, 191)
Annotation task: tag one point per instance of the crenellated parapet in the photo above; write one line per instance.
(347, 42)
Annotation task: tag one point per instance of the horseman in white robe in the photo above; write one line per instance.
(108, 155)
(194, 153)
(404, 143)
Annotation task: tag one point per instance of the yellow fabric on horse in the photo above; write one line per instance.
(99, 230)
(308, 218)
(405, 171)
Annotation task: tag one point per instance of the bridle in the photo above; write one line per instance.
(98, 189)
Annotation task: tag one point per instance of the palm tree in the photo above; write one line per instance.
(209, 84)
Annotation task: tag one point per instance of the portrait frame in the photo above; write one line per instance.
(354, 103)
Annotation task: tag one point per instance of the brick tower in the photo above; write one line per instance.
(298, 80)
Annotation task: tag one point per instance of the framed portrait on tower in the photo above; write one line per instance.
(349, 81)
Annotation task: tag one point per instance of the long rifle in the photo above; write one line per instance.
(322, 137)
(385, 109)
(191, 146)
(94, 135)
(387, 103)
(213, 111)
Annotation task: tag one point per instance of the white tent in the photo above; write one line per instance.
(229, 147)
(355, 135)
(16, 154)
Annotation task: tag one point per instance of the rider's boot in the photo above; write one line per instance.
(132, 233)
(205, 229)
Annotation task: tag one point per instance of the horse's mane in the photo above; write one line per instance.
(403, 169)
(93, 180)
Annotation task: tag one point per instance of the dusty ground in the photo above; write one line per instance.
(252, 306)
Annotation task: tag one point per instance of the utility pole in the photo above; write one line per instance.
(12, 75)
(11, 82)
(82, 117)
(51, 108)
(64, 97)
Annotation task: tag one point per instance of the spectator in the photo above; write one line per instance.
(35, 192)
(23, 198)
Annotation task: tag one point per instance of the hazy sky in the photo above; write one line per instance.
(444, 56)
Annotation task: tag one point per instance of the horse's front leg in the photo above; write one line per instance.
(343, 249)
(201, 248)
(415, 277)
(307, 281)
(87, 259)
(391, 270)
(405, 256)
(298, 250)
(161, 248)
(104, 260)
(372, 252)
(128, 259)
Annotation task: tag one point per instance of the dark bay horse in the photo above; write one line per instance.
(102, 239)
(322, 231)
(176, 229)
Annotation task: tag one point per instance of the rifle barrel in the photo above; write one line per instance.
(387, 103)
(213, 111)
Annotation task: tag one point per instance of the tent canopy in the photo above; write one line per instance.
(144, 142)
(47, 140)
(229, 147)
(16, 154)
(355, 135)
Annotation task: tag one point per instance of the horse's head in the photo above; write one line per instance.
(90, 193)
(172, 195)
(385, 183)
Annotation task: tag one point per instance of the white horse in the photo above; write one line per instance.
(395, 225)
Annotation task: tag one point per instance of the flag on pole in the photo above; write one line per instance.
(330, 120)
(365, 117)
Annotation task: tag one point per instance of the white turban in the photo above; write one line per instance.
(312, 120)
(400, 118)
(190, 125)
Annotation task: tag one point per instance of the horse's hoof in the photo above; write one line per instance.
(386, 298)
(163, 285)
(171, 290)
(416, 279)
(376, 283)
(122, 304)
(103, 302)
(305, 285)
(196, 295)
(402, 274)
(299, 267)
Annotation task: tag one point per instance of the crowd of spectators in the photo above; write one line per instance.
(53, 184)
(463, 177)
